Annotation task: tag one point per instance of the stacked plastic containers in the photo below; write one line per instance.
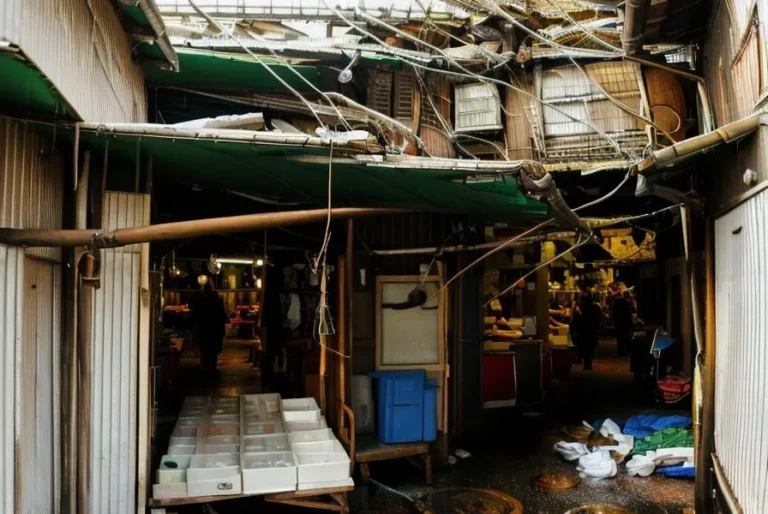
(203, 457)
(321, 460)
(267, 461)
(406, 406)
(254, 444)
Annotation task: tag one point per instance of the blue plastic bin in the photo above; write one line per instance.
(400, 405)
(430, 410)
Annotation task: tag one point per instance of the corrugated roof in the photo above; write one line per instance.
(295, 167)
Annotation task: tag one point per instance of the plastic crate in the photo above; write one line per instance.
(400, 405)
(430, 410)
(268, 472)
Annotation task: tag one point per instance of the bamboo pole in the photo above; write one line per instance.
(349, 257)
(323, 339)
(341, 335)
(179, 230)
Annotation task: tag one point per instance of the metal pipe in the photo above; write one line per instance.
(179, 230)
(84, 341)
(703, 487)
(429, 250)
(635, 14)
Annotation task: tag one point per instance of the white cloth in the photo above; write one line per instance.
(571, 451)
(598, 464)
(641, 465)
(294, 311)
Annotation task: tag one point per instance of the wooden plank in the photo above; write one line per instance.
(341, 337)
(308, 493)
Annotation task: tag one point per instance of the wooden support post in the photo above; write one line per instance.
(341, 339)
(323, 337)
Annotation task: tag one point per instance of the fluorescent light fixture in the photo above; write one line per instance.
(234, 260)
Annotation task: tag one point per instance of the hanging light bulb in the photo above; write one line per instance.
(258, 283)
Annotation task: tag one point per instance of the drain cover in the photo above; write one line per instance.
(465, 500)
(600, 508)
(556, 481)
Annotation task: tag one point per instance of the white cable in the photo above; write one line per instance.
(257, 59)
(468, 73)
(581, 241)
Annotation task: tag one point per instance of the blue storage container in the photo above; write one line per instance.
(430, 410)
(400, 405)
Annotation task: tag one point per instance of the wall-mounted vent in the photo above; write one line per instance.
(477, 108)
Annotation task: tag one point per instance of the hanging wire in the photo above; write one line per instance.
(327, 237)
(581, 241)
(466, 73)
(511, 241)
(257, 59)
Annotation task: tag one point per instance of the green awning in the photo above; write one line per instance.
(295, 168)
(26, 91)
(229, 71)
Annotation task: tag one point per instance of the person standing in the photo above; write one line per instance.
(622, 321)
(588, 329)
(209, 318)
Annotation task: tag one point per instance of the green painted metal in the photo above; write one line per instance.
(226, 71)
(288, 172)
(25, 90)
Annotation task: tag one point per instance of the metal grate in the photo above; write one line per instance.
(477, 108)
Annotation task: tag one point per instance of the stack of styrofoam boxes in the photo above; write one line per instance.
(215, 468)
(268, 464)
(320, 457)
(171, 478)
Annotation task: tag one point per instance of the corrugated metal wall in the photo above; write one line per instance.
(741, 388)
(38, 457)
(11, 303)
(31, 196)
(82, 48)
(31, 183)
(115, 362)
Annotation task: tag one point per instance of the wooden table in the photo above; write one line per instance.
(369, 449)
(313, 498)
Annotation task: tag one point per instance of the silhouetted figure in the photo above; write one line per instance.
(209, 318)
(587, 324)
(622, 321)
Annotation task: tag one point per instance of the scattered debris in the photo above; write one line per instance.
(462, 454)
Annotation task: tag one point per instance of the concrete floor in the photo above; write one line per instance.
(516, 446)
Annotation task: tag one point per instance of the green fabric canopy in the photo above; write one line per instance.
(299, 173)
(27, 91)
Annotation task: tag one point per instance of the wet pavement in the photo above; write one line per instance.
(517, 447)
(514, 449)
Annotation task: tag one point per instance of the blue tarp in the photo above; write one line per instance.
(644, 425)
(677, 471)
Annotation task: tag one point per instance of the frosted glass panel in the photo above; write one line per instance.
(409, 336)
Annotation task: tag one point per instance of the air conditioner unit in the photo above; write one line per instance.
(477, 108)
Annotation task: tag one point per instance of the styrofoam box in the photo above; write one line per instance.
(219, 430)
(222, 439)
(301, 415)
(173, 469)
(269, 472)
(266, 428)
(311, 436)
(322, 467)
(182, 431)
(180, 440)
(224, 419)
(220, 448)
(211, 467)
(303, 426)
(326, 446)
(165, 491)
(265, 443)
(216, 487)
(188, 422)
(223, 410)
(305, 486)
(182, 449)
(262, 417)
(298, 404)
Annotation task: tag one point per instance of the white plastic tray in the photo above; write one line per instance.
(173, 469)
(184, 431)
(268, 472)
(263, 428)
(304, 426)
(216, 487)
(219, 448)
(265, 443)
(298, 404)
(322, 467)
(182, 449)
(212, 467)
(166, 491)
(219, 430)
(311, 436)
(326, 446)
